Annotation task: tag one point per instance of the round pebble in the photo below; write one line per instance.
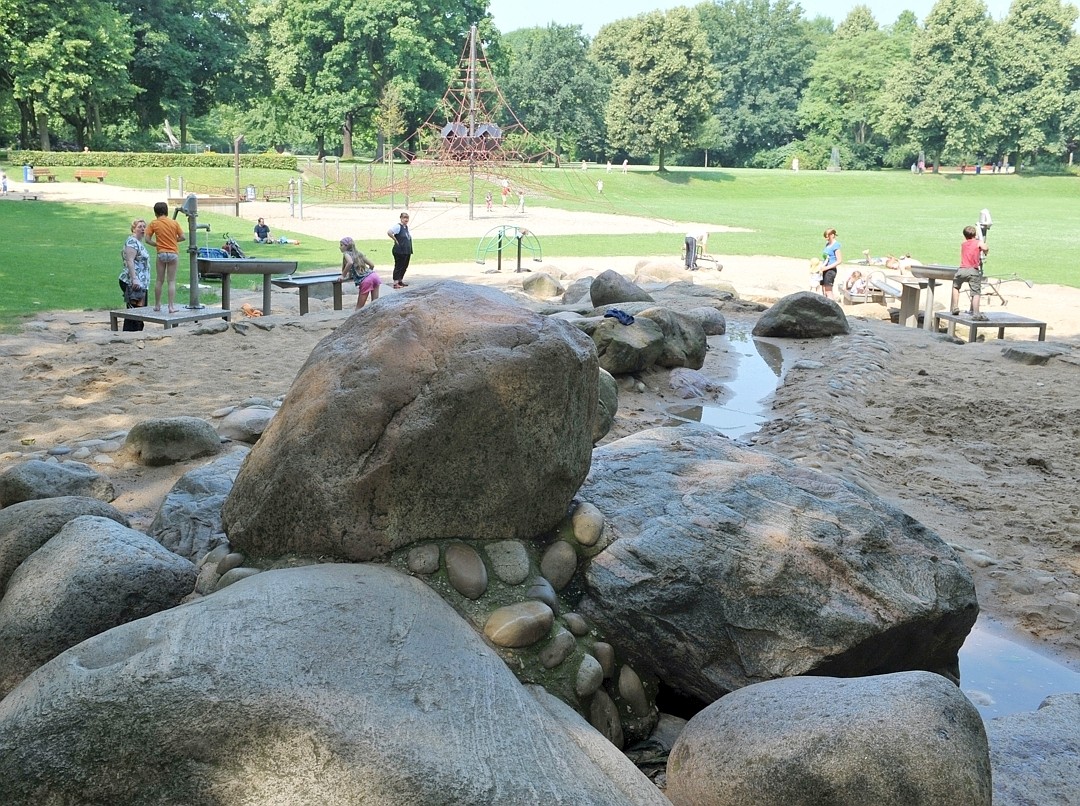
(235, 575)
(589, 676)
(519, 625)
(541, 590)
(633, 692)
(576, 623)
(605, 654)
(588, 524)
(466, 570)
(604, 716)
(423, 559)
(509, 561)
(559, 564)
(557, 650)
(229, 562)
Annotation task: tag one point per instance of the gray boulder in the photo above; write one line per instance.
(541, 285)
(611, 288)
(27, 526)
(623, 349)
(189, 520)
(607, 405)
(168, 440)
(35, 479)
(1036, 755)
(684, 338)
(731, 567)
(578, 291)
(95, 574)
(450, 411)
(909, 739)
(804, 315)
(711, 320)
(246, 424)
(329, 684)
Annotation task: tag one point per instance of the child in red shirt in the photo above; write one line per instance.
(970, 272)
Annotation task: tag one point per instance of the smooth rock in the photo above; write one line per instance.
(466, 571)
(519, 625)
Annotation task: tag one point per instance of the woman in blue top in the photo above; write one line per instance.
(830, 261)
(135, 276)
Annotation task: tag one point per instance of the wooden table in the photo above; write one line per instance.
(998, 320)
(304, 282)
(226, 267)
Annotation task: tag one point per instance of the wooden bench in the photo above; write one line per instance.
(445, 194)
(163, 317)
(304, 282)
(998, 320)
(87, 173)
(44, 173)
(226, 267)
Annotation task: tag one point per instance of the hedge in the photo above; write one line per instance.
(166, 159)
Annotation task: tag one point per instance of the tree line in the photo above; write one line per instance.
(733, 82)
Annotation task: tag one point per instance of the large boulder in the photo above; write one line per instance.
(909, 739)
(730, 567)
(803, 315)
(611, 288)
(607, 405)
(684, 338)
(168, 440)
(623, 349)
(328, 684)
(189, 520)
(36, 478)
(1036, 755)
(446, 412)
(27, 526)
(95, 574)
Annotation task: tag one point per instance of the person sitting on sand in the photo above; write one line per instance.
(855, 285)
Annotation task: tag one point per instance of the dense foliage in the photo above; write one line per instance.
(736, 82)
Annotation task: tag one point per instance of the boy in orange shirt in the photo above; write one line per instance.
(165, 235)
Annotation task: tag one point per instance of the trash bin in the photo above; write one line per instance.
(28, 173)
(251, 193)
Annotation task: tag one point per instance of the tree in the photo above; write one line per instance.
(331, 60)
(184, 59)
(844, 95)
(63, 62)
(662, 83)
(941, 101)
(554, 89)
(1033, 79)
(762, 52)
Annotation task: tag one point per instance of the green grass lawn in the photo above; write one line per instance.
(63, 256)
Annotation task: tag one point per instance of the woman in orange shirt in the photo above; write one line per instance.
(165, 235)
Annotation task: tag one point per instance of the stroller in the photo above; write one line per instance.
(229, 249)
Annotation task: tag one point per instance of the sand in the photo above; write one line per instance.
(978, 447)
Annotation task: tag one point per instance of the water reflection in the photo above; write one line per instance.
(755, 376)
(1003, 677)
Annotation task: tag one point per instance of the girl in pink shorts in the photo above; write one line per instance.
(356, 267)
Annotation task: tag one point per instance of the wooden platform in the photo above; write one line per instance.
(998, 320)
(304, 282)
(163, 317)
